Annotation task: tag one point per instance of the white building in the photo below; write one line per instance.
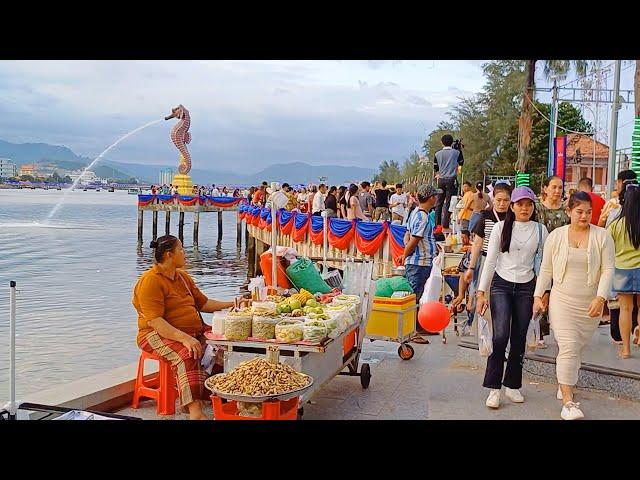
(166, 176)
(86, 177)
(7, 168)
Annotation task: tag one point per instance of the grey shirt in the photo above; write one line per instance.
(446, 162)
(365, 200)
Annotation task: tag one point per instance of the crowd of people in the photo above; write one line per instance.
(549, 258)
(558, 259)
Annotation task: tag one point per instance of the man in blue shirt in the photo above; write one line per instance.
(419, 242)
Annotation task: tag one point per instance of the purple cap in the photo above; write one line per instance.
(521, 193)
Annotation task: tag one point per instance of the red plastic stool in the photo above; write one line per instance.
(161, 386)
(271, 410)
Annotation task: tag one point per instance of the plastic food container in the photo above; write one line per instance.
(264, 327)
(314, 331)
(237, 327)
(289, 331)
(217, 327)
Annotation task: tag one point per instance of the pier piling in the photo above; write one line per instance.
(140, 225)
(155, 225)
(196, 228)
(167, 222)
(181, 227)
(219, 226)
(239, 230)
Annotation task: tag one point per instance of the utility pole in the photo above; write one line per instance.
(553, 125)
(611, 173)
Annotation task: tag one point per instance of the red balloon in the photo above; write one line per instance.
(433, 317)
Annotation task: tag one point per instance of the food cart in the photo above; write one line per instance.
(322, 361)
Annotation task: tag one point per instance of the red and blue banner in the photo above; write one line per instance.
(369, 236)
(265, 219)
(165, 199)
(144, 200)
(340, 233)
(187, 200)
(242, 211)
(255, 216)
(396, 241)
(285, 221)
(222, 202)
(300, 226)
(317, 228)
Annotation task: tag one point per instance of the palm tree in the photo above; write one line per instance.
(557, 68)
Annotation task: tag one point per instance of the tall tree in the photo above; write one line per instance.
(558, 68)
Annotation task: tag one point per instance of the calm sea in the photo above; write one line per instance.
(75, 280)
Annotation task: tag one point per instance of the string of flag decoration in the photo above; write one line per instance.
(317, 228)
(396, 242)
(285, 222)
(189, 200)
(369, 236)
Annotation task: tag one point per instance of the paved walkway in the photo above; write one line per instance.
(435, 386)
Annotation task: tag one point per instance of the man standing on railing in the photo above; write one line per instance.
(420, 245)
(445, 164)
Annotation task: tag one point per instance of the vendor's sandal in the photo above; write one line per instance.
(624, 355)
(420, 340)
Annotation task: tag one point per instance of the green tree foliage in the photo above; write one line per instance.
(389, 171)
(488, 125)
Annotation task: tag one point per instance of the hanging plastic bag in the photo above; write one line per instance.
(433, 286)
(485, 337)
(533, 333)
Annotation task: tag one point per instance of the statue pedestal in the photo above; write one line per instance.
(184, 184)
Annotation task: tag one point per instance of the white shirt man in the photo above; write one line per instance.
(318, 200)
(215, 192)
(398, 204)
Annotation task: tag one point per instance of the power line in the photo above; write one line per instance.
(551, 121)
(587, 74)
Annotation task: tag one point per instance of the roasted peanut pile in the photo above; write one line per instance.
(259, 377)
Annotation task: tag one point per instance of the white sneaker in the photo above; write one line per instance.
(493, 400)
(570, 411)
(559, 394)
(514, 395)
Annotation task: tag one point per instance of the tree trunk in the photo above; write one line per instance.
(525, 122)
(636, 89)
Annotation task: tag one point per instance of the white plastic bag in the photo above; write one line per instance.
(533, 333)
(485, 337)
(433, 285)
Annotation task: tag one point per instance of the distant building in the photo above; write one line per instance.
(86, 177)
(580, 154)
(8, 168)
(28, 169)
(166, 176)
(45, 169)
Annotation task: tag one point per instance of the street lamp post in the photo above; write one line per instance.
(595, 129)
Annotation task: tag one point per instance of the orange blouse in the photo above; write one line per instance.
(156, 295)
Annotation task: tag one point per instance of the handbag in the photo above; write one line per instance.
(537, 259)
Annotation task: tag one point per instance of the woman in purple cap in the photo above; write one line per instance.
(509, 272)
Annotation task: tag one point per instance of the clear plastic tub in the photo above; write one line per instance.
(237, 327)
(264, 327)
(289, 331)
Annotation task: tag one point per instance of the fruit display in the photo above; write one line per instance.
(453, 270)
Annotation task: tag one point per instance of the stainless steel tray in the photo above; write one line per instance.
(248, 398)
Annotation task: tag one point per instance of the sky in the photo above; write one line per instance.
(245, 115)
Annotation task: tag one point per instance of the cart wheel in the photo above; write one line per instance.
(300, 413)
(365, 375)
(406, 352)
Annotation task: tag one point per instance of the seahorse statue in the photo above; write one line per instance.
(180, 137)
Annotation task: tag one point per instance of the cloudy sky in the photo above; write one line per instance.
(245, 114)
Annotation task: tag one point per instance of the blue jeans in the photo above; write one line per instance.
(511, 310)
(475, 217)
(417, 276)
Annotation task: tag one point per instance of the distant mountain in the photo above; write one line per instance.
(22, 153)
(292, 173)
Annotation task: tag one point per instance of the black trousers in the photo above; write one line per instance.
(443, 216)
(614, 316)
(511, 310)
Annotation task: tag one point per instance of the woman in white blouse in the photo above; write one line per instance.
(580, 259)
(509, 272)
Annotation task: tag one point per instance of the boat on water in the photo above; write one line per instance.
(133, 191)
(111, 189)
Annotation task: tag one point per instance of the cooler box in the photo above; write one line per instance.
(265, 266)
(392, 318)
